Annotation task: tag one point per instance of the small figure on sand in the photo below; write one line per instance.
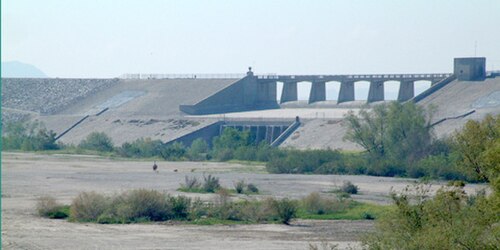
(155, 167)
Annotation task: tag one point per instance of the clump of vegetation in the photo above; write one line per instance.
(315, 204)
(286, 210)
(192, 184)
(242, 188)
(149, 205)
(174, 152)
(446, 221)
(181, 206)
(199, 150)
(143, 205)
(211, 184)
(251, 188)
(88, 206)
(97, 141)
(28, 137)
(451, 219)
(140, 148)
(47, 206)
(239, 186)
(349, 188)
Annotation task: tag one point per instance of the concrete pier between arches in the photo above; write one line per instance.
(376, 92)
(406, 91)
(289, 93)
(318, 92)
(346, 93)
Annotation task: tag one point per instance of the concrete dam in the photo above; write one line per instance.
(184, 107)
(254, 92)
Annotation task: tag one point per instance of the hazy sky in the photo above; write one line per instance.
(104, 38)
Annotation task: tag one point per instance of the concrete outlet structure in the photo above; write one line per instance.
(270, 132)
(470, 68)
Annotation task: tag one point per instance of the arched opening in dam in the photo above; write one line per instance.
(361, 89)
(303, 90)
(332, 90)
(421, 86)
(279, 91)
(391, 90)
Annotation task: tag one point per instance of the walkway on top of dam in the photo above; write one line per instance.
(354, 77)
(298, 78)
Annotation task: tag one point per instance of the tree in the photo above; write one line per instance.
(175, 151)
(29, 136)
(141, 148)
(451, 219)
(98, 141)
(231, 138)
(392, 134)
(479, 145)
(198, 150)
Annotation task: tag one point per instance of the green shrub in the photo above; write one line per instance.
(146, 204)
(198, 150)
(342, 195)
(251, 188)
(286, 210)
(88, 206)
(224, 154)
(446, 221)
(28, 137)
(47, 206)
(109, 218)
(180, 206)
(198, 209)
(439, 166)
(222, 207)
(239, 186)
(211, 184)
(231, 139)
(97, 141)
(141, 148)
(256, 211)
(297, 161)
(315, 204)
(191, 183)
(459, 184)
(174, 152)
(349, 188)
(368, 216)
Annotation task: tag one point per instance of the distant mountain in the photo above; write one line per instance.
(21, 70)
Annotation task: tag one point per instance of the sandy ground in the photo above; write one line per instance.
(28, 176)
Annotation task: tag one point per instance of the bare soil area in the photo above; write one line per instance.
(26, 176)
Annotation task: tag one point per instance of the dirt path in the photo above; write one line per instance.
(28, 176)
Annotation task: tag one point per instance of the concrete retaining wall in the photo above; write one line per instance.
(245, 94)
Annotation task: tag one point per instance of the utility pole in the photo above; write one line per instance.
(475, 48)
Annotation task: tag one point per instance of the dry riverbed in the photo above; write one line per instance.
(26, 176)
